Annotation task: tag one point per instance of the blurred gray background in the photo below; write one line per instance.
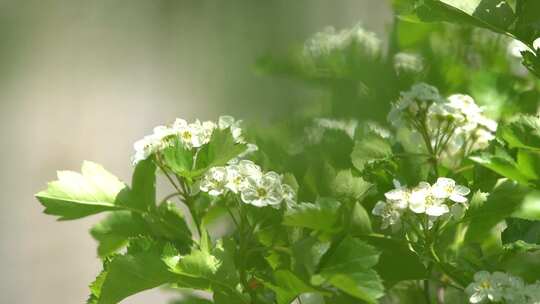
(85, 79)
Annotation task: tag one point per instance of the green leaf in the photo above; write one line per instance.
(522, 132)
(347, 185)
(205, 271)
(497, 14)
(369, 149)
(521, 230)
(75, 195)
(113, 232)
(360, 221)
(168, 222)
(529, 209)
(218, 151)
(133, 272)
(501, 203)
(322, 215)
(348, 268)
(397, 262)
(143, 186)
(288, 286)
(503, 164)
(177, 158)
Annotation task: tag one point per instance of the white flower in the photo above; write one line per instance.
(400, 195)
(227, 121)
(289, 195)
(328, 41)
(447, 188)
(144, 148)
(486, 286)
(408, 63)
(420, 96)
(214, 181)
(423, 201)
(347, 126)
(531, 293)
(389, 212)
(237, 175)
(263, 191)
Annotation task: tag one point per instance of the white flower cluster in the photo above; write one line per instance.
(328, 41)
(315, 132)
(247, 180)
(435, 200)
(498, 286)
(452, 124)
(408, 63)
(191, 135)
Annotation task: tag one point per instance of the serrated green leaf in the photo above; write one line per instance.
(113, 232)
(322, 215)
(501, 203)
(349, 269)
(75, 195)
(177, 158)
(360, 221)
(369, 149)
(347, 185)
(133, 272)
(221, 148)
(288, 286)
(504, 165)
(522, 132)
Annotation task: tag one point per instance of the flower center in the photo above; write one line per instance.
(261, 192)
(186, 135)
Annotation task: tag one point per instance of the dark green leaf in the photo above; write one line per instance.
(132, 273)
(397, 262)
(113, 232)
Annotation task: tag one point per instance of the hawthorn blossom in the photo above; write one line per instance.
(191, 135)
(237, 175)
(400, 195)
(215, 181)
(422, 200)
(502, 287)
(329, 40)
(390, 213)
(263, 191)
(250, 183)
(447, 188)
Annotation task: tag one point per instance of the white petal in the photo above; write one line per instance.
(437, 210)
(379, 208)
(462, 190)
(417, 207)
(458, 198)
(477, 297)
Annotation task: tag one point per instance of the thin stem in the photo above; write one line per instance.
(232, 217)
(166, 198)
(426, 291)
